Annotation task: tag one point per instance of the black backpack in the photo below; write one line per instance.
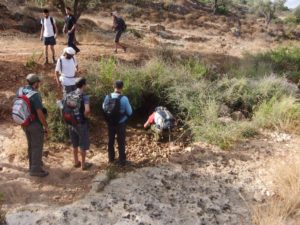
(52, 22)
(111, 110)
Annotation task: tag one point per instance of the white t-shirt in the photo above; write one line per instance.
(48, 27)
(67, 70)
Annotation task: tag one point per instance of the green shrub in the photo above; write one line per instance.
(297, 14)
(283, 61)
(278, 113)
(57, 127)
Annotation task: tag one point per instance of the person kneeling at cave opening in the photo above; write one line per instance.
(161, 122)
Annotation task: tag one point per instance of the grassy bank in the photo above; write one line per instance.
(220, 108)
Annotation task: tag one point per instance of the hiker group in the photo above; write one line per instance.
(29, 112)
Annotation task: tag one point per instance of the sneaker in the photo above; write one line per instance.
(77, 165)
(123, 163)
(42, 173)
(86, 166)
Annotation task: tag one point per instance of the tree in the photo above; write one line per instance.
(217, 3)
(268, 8)
(77, 6)
(297, 14)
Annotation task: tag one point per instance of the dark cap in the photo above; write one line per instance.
(80, 81)
(119, 84)
(33, 78)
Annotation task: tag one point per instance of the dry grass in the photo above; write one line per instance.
(285, 205)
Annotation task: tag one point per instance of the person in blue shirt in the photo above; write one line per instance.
(118, 127)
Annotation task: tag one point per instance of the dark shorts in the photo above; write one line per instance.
(49, 41)
(68, 89)
(79, 135)
(118, 36)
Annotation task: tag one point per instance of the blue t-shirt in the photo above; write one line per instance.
(125, 107)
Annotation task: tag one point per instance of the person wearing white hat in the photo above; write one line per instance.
(65, 71)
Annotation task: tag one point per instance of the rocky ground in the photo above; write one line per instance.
(199, 185)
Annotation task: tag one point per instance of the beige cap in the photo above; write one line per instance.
(33, 78)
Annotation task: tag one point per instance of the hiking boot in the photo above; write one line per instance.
(86, 166)
(42, 173)
(123, 163)
(54, 60)
(125, 49)
(46, 61)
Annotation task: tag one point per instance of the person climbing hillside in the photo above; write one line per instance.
(117, 111)
(70, 28)
(28, 112)
(119, 26)
(76, 110)
(161, 122)
(48, 34)
(65, 71)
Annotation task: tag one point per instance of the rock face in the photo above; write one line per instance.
(161, 195)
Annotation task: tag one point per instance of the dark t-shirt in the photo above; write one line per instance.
(70, 21)
(120, 24)
(35, 101)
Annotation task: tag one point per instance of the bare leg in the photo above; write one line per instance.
(83, 155)
(46, 54)
(53, 53)
(75, 153)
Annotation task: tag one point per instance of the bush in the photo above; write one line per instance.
(297, 14)
(283, 61)
(278, 113)
(183, 84)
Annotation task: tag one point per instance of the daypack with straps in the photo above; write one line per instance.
(73, 108)
(112, 110)
(52, 22)
(163, 118)
(22, 111)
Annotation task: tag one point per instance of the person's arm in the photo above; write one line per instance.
(87, 108)
(128, 108)
(42, 118)
(57, 73)
(149, 121)
(42, 31)
(56, 30)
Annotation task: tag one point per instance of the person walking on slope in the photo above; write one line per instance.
(117, 110)
(65, 71)
(48, 34)
(36, 125)
(78, 125)
(119, 26)
(70, 28)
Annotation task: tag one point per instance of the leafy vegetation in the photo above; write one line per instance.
(220, 110)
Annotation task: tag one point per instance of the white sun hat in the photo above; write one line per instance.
(69, 51)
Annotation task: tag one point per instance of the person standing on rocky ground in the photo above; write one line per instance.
(37, 127)
(65, 71)
(117, 111)
(70, 28)
(48, 34)
(119, 26)
(79, 132)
